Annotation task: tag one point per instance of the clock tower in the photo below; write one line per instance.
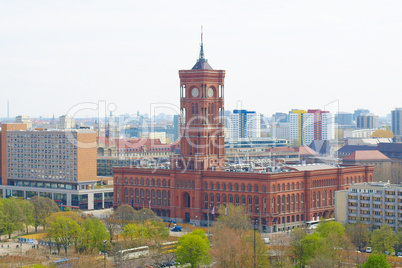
(202, 141)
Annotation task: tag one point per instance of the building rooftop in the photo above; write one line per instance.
(311, 167)
(367, 155)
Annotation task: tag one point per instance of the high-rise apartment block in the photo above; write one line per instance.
(57, 164)
(245, 124)
(65, 122)
(344, 119)
(307, 126)
(367, 121)
(397, 121)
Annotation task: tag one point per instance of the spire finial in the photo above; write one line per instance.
(202, 45)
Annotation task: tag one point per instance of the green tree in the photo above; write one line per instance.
(358, 234)
(43, 207)
(126, 214)
(235, 218)
(97, 232)
(383, 239)
(297, 246)
(12, 217)
(134, 231)
(63, 231)
(310, 244)
(376, 261)
(330, 227)
(27, 212)
(193, 248)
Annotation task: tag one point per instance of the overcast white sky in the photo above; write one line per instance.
(278, 55)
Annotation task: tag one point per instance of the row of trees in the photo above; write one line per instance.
(17, 214)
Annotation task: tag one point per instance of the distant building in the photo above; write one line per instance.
(360, 112)
(371, 203)
(65, 122)
(358, 133)
(368, 158)
(280, 131)
(245, 124)
(176, 127)
(367, 121)
(280, 118)
(397, 121)
(344, 119)
(306, 126)
(23, 119)
(155, 135)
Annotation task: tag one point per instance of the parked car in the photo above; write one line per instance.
(368, 250)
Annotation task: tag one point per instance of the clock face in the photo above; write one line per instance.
(210, 92)
(194, 92)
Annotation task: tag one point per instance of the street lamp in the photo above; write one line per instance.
(104, 253)
(255, 260)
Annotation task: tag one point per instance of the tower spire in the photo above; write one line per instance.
(202, 46)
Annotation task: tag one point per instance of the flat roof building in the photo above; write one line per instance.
(54, 163)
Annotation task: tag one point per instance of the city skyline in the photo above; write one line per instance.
(278, 56)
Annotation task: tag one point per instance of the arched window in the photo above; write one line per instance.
(278, 204)
(206, 201)
(153, 197)
(256, 204)
(237, 200)
(117, 180)
(324, 203)
(218, 186)
(243, 200)
(278, 188)
(283, 187)
(329, 198)
(297, 186)
(313, 200)
(131, 196)
(264, 189)
(249, 187)
(224, 199)
(212, 200)
(302, 201)
(297, 202)
(230, 187)
(159, 183)
(137, 196)
(218, 200)
(164, 198)
(293, 202)
(211, 185)
(237, 187)
(126, 194)
(243, 187)
(224, 186)
(147, 182)
(136, 181)
(302, 185)
(164, 183)
(293, 185)
(288, 202)
(318, 199)
(231, 199)
(159, 197)
(250, 204)
(131, 181)
(206, 185)
(288, 187)
(142, 181)
(273, 188)
(256, 188)
(125, 181)
(153, 182)
(283, 203)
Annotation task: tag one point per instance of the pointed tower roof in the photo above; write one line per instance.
(202, 63)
